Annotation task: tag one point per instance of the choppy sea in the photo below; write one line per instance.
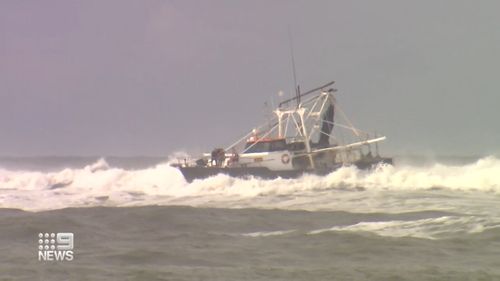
(138, 219)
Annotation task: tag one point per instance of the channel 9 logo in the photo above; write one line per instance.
(55, 246)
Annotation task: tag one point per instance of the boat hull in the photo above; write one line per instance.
(200, 172)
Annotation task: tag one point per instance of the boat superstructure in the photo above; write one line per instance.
(304, 136)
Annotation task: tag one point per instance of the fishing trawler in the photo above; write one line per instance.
(303, 137)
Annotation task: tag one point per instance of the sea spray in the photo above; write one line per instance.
(165, 185)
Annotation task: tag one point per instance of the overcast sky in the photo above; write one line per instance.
(153, 77)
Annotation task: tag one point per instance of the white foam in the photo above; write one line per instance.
(268, 233)
(100, 184)
(430, 228)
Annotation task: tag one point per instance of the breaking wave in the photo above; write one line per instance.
(430, 228)
(268, 233)
(99, 184)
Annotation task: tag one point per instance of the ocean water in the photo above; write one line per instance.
(138, 219)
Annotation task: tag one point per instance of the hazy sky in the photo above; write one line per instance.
(154, 77)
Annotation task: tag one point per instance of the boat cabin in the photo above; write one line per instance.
(265, 145)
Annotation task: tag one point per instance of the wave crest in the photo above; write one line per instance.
(100, 184)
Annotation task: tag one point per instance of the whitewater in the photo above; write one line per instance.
(160, 184)
(436, 220)
(473, 189)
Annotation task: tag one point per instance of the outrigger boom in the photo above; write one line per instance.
(361, 143)
(299, 96)
(301, 140)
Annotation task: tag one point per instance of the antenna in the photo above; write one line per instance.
(295, 85)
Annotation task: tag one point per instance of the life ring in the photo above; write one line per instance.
(285, 159)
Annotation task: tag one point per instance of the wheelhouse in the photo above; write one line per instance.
(265, 145)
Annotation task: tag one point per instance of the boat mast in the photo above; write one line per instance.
(299, 110)
(295, 85)
(307, 143)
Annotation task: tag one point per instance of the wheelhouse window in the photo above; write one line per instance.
(265, 146)
(295, 146)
